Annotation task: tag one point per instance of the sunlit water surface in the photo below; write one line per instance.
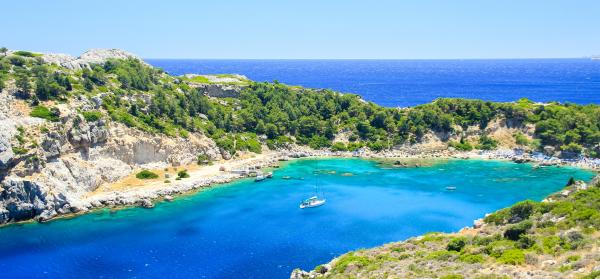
(256, 230)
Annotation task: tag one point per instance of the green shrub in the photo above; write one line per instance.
(513, 257)
(572, 147)
(92, 115)
(521, 139)
(146, 174)
(25, 53)
(498, 217)
(338, 146)
(345, 260)
(522, 210)
(183, 174)
(487, 143)
(50, 114)
(452, 276)
(462, 145)
(203, 159)
(318, 142)
(456, 244)
(470, 258)
(19, 150)
(497, 248)
(514, 232)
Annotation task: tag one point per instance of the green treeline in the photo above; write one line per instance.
(146, 98)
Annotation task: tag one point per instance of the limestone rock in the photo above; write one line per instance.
(88, 58)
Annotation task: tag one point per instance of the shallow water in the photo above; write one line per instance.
(256, 230)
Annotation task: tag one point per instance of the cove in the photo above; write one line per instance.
(256, 230)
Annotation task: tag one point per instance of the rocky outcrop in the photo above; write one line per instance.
(67, 160)
(22, 199)
(220, 90)
(218, 86)
(92, 56)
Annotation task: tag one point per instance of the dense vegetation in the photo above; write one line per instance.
(287, 114)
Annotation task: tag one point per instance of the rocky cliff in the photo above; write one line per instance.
(46, 167)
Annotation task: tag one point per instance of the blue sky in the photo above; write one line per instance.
(422, 29)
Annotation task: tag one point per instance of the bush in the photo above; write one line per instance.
(146, 174)
(456, 244)
(51, 114)
(203, 159)
(514, 232)
(572, 147)
(513, 257)
(487, 143)
(462, 145)
(521, 139)
(470, 258)
(183, 174)
(318, 142)
(25, 53)
(521, 211)
(92, 115)
(338, 146)
(346, 260)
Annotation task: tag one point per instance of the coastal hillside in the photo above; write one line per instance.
(555, 238)
(107, 121)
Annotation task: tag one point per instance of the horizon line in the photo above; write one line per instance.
(348, 59)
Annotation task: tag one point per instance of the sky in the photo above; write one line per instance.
(307, 29)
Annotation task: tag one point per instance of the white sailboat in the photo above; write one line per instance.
(313, 201)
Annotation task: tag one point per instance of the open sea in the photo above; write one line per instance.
(247, 229)
(404, 83)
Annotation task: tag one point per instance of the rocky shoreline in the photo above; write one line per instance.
(146, 196)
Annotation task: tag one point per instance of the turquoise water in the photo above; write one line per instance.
(256, 230)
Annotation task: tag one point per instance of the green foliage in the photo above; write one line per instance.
(203, 159)
(514, 232)
(92, 115)
(487, 143)
(146, 174)
(338, 146)
(572, 147)
(279, 142)
(132, 73)
(462, 145)
(16, 60)
(350, 258)
(512, 257)
(456, 244)
(521, 139)
(50, 114)
(19, 150)
(183, 174)
(25, 53)
(471, 258)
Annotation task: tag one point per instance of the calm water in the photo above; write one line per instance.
(412, 82)
(256, 230)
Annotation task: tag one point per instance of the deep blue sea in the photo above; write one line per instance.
(256, 230)
(412, 82)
